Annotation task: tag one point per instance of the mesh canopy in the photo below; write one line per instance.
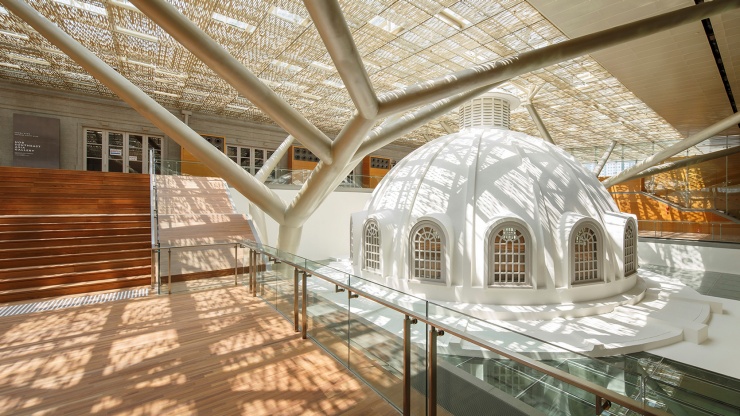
(401, 43)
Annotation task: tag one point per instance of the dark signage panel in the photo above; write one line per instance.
(35, 141)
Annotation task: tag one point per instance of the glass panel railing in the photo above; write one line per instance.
(328, 317)
(362, 323)
(688, 230)
(280, 176)
(197, 267)
(376, 346)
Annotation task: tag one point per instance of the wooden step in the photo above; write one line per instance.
(74, 288)
(56, 219)
(66, 278)
(74, 267)
(23, 172)
(45, 226)
(72, 249)
(43, 234)
(73, 209)
(104, 253)
(57, 242)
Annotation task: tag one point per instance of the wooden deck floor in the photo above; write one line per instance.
(217, 352)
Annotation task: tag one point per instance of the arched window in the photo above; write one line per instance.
(586, 255)
(630, 252)
(508, 255)
(427, 252)
(371, 237)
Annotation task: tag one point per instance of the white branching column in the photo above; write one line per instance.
(355, 141)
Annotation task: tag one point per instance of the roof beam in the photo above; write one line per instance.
(529, 105)
(426, 92)
(602, 162)
(329, 21)
(688, 161)
(673, 150)
(172, 126)
(232, 71)
(389, 132)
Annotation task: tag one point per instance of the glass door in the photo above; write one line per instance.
(115, 152)
(110, 151)
(135, 156)
(94, 150)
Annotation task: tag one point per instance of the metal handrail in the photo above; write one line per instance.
(158, 249)
(441, 328)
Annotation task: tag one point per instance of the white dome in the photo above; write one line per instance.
(486, 190)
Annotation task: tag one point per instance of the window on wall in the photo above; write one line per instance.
(249, 158)
(427, 247)
(115, 151)
(586, 255)
(508, 256)
(630, 244)
(372, 246)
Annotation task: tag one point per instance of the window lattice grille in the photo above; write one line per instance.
(427, 254)
(509, 254)
(586, 256)
(372, 246)
(629, 250)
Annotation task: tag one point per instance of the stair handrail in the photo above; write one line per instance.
(154, 219)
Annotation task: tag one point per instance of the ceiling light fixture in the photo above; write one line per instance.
(13, 34)
(285, 65)
(3, 11)
(321, 65)
(168, 94)
(144, 64)
(167, 73)
(9, 65)
(272, 84)
(124, 4)
(386, 25)
(453, 19)
(29, 59)
(237, 107)
(143, 36)
(233, 22)
(310, 96)
(288, 16)
(84, 6)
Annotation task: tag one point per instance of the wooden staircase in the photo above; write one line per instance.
(198, 211)
(67, 232)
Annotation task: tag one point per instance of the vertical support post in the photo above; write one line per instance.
(432, 371)
(407, 364)
(169, 271)
(304, 312)
(236, 263)
(154, 269)
(295, 299)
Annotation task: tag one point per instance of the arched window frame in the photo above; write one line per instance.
(440, 257)
(491, 246)
(630, 248)
(598, 261)
(371, 260)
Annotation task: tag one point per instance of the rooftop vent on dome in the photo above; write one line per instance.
(491, 109)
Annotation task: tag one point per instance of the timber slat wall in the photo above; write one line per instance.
(66, 232)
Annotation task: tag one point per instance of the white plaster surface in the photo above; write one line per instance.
(689, 256)
(662, 312)
(326, 233)
(719, 353)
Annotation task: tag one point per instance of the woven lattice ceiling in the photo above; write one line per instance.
(401, 42)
